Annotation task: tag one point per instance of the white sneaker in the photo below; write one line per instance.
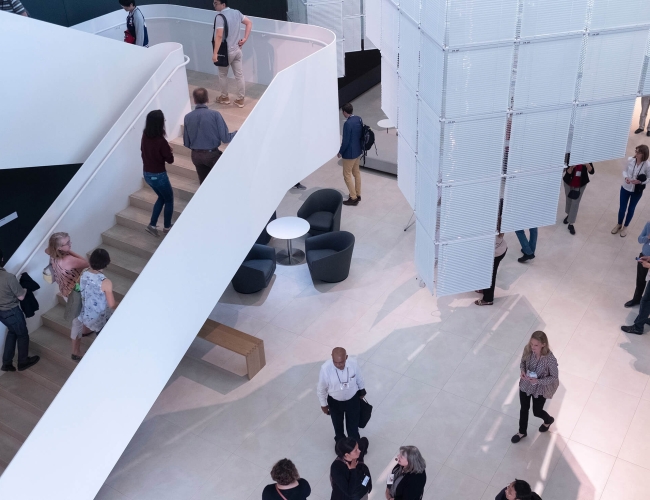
(616, 229)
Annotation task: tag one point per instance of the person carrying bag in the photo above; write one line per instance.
(222, 53)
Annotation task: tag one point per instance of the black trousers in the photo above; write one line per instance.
(351, 410)
(641, 273)
(17, 335)
(204, 161)
(488, 293)
(538, 410)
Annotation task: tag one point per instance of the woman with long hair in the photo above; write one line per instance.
(288, 483)
(66, 270)
(349, 476)
(636, 175)
(408, 478)
(155, 152)
(538, 380)
(517, 490)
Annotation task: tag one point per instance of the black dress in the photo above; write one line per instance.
(347, 484)
(411, 486)
(300, 492)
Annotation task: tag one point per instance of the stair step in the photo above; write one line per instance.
(121, 284)
(183, 187)
(9, 446)
(50, 344)
(145, 199)
(138, 218)
(48, 373)
(15, 420)
(26, 393)
(179, 148)
(183, 167)
(140, 243)
(127, 264)
(54, 319)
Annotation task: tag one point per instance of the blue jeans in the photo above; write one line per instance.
(631, 198)
(528, 246)
(163, 188)
(17, 334)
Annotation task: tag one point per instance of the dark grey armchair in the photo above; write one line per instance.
(329, 256)
(256, 271)
(265, 237)
(323, 211)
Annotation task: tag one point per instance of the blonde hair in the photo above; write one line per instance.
(53, 245)
(541, 337)
(416, 463)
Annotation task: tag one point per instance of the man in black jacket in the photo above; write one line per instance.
(11, 293)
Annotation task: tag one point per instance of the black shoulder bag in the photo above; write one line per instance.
(222, 54)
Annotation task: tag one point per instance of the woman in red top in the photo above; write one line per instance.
(155, 152)
(575, 180)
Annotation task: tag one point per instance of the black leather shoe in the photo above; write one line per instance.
(516, 438)
(31, 361)
(572, 229)
(526, 258)
(544, 427)
(8, 368)
(648, 133)
(566, 220)
(631, 303)
(363, 445)
(351, 202)
(638, 131)
(627, 329)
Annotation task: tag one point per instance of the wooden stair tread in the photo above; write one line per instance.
(123, 261)
(48, 373)
(16, 420)
(146, 197)
(22, 389)
(140, 240)
(9, 446)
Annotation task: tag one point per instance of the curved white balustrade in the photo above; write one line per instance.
(292, 131)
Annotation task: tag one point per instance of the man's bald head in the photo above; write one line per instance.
(339, 356)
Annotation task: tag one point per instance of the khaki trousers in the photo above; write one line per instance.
(350, 169)
(645, 103)
(234, 59)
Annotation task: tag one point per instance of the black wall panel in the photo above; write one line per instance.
(29, 192)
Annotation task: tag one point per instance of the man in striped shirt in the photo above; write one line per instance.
(13, 6)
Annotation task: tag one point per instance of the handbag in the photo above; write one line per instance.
(365, 412)
(47, 274)
(638, 188)
(222, 54)
(128, 37)
(574, 194)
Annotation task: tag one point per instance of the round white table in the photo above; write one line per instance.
(385, 123)
(288, 228)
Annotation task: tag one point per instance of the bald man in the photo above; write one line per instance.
(340, 386)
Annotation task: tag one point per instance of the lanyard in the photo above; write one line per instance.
(336, 370)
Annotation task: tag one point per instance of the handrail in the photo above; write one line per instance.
(106, 156)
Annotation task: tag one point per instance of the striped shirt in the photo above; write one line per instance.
(12, 6)
(63, 276)
(547, 375)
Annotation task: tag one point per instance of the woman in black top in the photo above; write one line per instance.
(576, 178)
(517, 490)
(350, 478)
(288, 484)
(407, 480)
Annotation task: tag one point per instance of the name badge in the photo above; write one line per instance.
(391, 478)
(345, 385)
(365, 480)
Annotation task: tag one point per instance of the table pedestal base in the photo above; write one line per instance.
(290, 256)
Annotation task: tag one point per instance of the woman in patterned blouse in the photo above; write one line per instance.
(539, 380)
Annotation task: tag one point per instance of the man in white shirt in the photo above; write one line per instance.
(340, 387)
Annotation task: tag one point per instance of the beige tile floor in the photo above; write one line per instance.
(441, 373)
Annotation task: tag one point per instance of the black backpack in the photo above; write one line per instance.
(367, 139)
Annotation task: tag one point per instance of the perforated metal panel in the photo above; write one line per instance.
(478, 81)
(411, 8)
(547, 72)
(468, 210)
(425, 256)
(538, 139)
(389, 90)
(553, 16)
(429, 130)
(351, 8)
(352, 30)
(615, 13)
(601, 131)
(646, 83)
(426, 201)
(406, 176)
(464, 266)
(432, 19)
(372, 11)
(328, 15)
(530, 200)
(472, 149)
(409, 51)
(432, 67)
(340, 58)
(479, 21)
(389, 31)
(407, 117)
(613, 64)
(297, 11)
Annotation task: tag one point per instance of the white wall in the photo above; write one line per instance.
(291, 132)
(64, 90)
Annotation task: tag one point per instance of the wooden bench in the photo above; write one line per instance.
(248, 346)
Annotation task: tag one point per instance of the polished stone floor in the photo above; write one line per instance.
(441, 373)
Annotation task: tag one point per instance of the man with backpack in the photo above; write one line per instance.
(351, 150)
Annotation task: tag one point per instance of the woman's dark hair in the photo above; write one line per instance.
(347, 107)
(523, 490)
(345, 445)
(127, 3)
(645, 152)
(284, 472)
(155, 125)
(99, 259)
